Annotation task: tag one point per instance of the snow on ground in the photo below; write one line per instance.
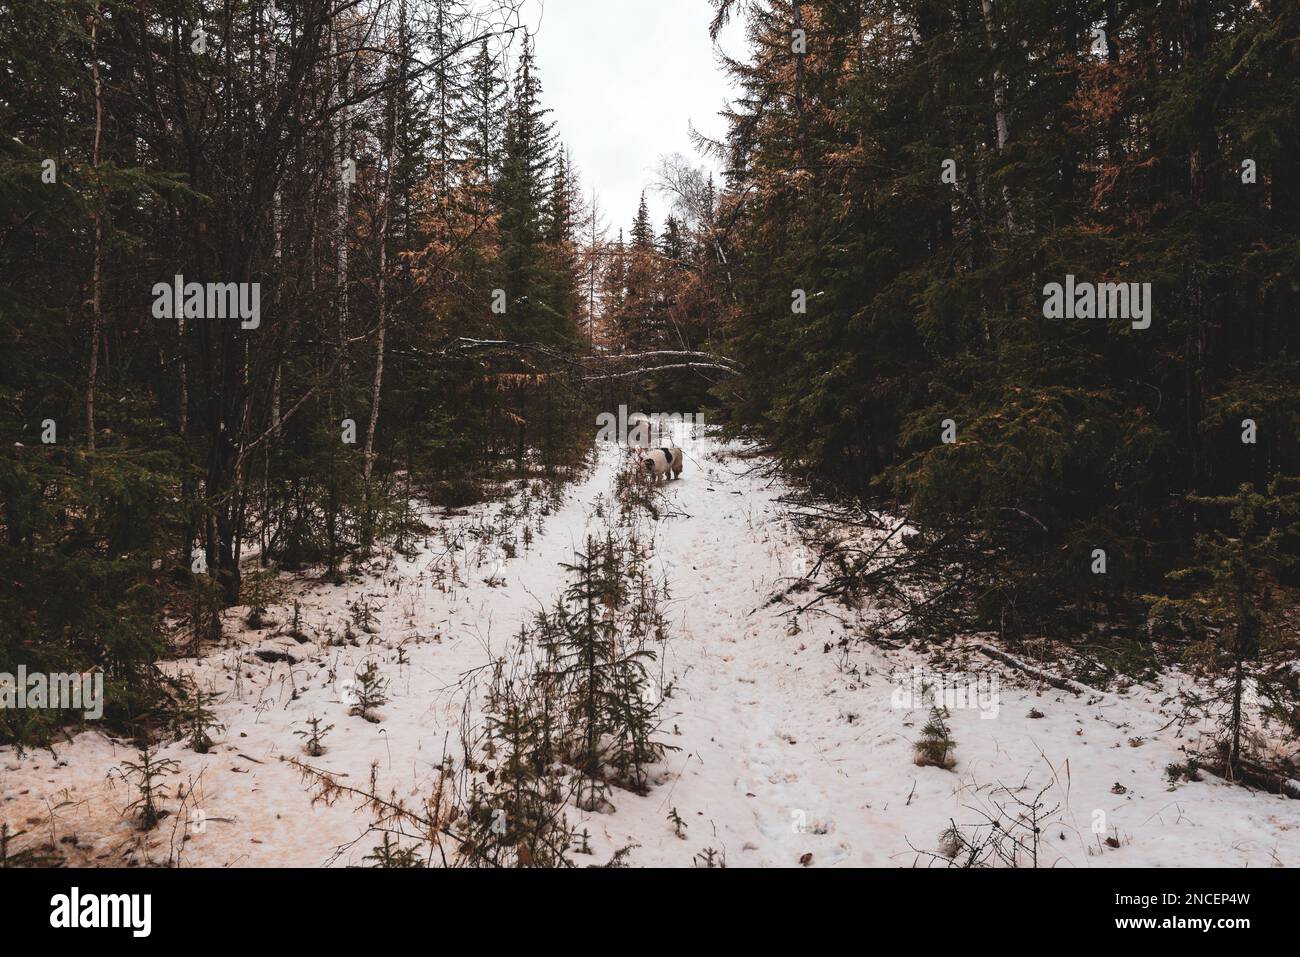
(790, 743)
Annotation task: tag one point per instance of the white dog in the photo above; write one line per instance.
(663, 462)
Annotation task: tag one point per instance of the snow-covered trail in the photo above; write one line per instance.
(791, 747)
(796, 744)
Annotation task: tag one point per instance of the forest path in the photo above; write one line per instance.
(762, 773)
(788, 743)
(795, 745)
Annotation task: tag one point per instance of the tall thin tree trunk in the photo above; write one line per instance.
(386, 203)
(96, 298)
(277, 226)
(1200, 293)
(183, 399)
(999, 98)
(591, 277)
(276, 217)
(799, 80)
(342, 148)
(444, 136)
(1234, 753)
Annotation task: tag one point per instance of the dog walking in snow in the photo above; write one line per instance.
(655, 453)
(663, 462)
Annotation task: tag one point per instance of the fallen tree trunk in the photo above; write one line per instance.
(1258, 776)
(1064, 684)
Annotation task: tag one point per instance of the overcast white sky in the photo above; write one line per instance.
(625, 79)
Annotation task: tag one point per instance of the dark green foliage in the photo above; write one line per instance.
(925, 298)
(526, 269)
(217, 165)
(598, 657)
(392, 855)
(363, 616)
(515, 813)
(1243, 624)
(1189, 770)
(567, 718)
(28, 857)
(81, 574)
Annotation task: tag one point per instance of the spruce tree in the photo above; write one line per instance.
(1242, 619)
(522, 191)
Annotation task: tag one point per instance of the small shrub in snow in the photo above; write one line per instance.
(363, 616)
(314, 736)
(146, 775)
(29, 857)
(295, 625)
(618, 860)
(370, 691)
(1178, 773)
(595, 641)
(635, 493)
(514, 809)
(1010, 835)
(679, 826)
(204, 610)
(711, 858)
(936, 745)
(194, 720)
(950, 842)
(390, 854)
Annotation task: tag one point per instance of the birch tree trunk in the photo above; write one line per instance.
(999, 97)
(386, 205)
(999, 82)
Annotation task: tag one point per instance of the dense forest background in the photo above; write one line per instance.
(1136, 142)
(433, 286)
(861, 292)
